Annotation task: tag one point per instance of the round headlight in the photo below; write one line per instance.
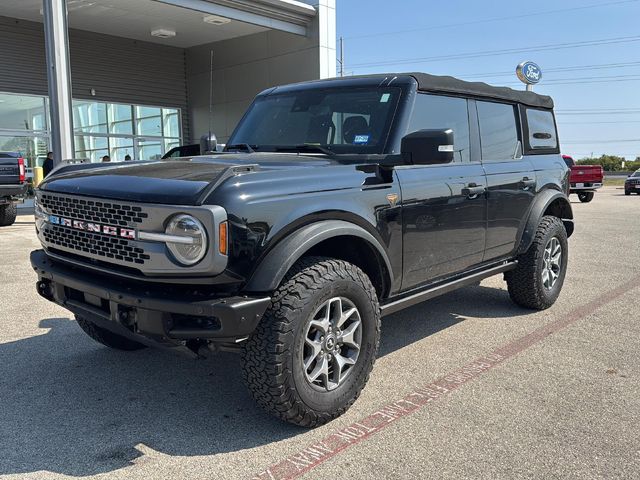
(190, 244)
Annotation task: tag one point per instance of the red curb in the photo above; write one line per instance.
(298, 464)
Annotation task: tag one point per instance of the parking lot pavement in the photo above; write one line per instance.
(466, 386)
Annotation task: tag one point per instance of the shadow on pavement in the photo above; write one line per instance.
(74, 407)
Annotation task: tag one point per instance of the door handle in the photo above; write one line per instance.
(526, 183)
(472, 191)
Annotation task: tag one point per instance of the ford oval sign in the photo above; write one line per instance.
(529, 73)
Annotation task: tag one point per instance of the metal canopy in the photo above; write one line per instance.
(285, 15)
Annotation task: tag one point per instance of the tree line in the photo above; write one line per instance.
(612, 163)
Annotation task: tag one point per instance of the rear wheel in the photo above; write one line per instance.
(585, 197)
(107, 337)
(8, 213)
(314, 349)
(537, 280)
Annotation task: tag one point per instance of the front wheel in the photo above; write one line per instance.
(627, 192)
(537, 280)
(585, 197)
(313, 351)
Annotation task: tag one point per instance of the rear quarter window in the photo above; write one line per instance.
(541, 129)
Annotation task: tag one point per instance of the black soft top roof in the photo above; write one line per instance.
(436, 83)
(426, 83)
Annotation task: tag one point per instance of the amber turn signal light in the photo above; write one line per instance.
(222, 238)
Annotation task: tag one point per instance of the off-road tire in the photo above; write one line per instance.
(271, 357)
(525, 283)
(585, 197)
(107, 337)
(8, 213)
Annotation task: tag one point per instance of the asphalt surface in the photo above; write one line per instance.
(559, 399)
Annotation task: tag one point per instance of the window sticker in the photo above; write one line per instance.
(361, 139)
(385, 97)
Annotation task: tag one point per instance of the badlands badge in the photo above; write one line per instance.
(128, 233)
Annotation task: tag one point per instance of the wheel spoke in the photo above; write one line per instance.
(545, 277)
(340, 363)
(316, 348)
(348, 335)
(345, 316)
(324, 322)
(335, 311)
(321, 370)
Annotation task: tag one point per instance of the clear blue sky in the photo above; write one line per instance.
(578, 78)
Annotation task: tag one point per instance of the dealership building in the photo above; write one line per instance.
(139, 77)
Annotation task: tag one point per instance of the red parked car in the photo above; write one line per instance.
(584, 179)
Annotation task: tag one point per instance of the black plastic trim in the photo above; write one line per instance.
(285, 254)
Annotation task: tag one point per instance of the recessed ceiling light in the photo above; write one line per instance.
(215, 20)
(163, 33)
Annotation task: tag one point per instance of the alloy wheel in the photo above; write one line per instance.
(552, 263)
(332, 343)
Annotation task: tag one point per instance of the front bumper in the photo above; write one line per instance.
(156, 315)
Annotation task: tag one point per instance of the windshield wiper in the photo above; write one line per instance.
(240, 146)
(305, 147)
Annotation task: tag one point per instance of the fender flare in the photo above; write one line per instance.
(277, 262)
(543, 200)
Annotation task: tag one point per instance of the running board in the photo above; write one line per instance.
(443, 288)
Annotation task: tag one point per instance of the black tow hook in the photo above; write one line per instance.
(44, 289)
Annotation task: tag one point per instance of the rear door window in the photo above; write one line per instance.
(541, 129)
(498, 131)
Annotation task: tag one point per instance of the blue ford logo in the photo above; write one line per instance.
(529, 73)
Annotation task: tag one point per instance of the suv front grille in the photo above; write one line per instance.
(94, 244)
(108, 213)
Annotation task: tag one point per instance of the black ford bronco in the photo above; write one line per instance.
(335, 202)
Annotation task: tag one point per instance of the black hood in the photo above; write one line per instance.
(177, 182)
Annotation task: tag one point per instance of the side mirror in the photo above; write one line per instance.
(428, 147)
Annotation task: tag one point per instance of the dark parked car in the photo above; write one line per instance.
(13, 185)
(632, 183)
(336, 202)
(183, 151)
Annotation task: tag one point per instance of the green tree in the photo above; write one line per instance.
(610, 163)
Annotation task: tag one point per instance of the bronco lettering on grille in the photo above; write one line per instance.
(128, 233)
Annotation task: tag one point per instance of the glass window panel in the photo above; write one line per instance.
(120, 147)
(498, 132)
(22, 112)
(542, 129)
(439, 113)
(89, 117)
(149, 151)
(171, 122)
(150, 126)
(145, 112)
(90, 147)
(120, 119)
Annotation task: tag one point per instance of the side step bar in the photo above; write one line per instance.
(429, 293)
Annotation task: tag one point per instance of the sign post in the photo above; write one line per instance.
(529, 73)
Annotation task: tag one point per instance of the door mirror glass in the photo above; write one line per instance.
(428, 147)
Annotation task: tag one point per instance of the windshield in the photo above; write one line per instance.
(338, 120)
(636, 173)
